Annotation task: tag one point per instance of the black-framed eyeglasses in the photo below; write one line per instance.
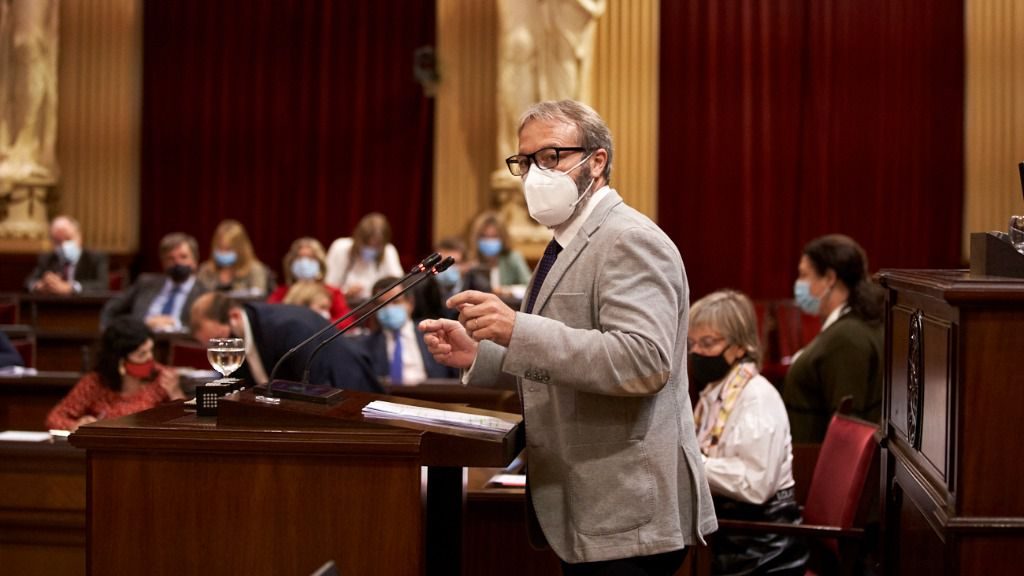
(546, 158)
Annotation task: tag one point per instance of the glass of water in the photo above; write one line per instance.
(225, 354)
(1017, 232)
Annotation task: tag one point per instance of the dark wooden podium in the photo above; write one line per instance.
(952, 457)
(281, 489)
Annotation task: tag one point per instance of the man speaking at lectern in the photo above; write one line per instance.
(269, 331)
(598, 352)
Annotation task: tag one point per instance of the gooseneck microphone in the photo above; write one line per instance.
(425, 267)
(433, 271)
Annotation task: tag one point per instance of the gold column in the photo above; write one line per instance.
(626, 95)
(100, 80)
(994, 114)
(465, 115)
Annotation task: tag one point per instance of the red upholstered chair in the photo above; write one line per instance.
(834, 499)
(794, 329)
(23, 339)
(8, 310)
(117, 280)
(27, 348)
(188, 354)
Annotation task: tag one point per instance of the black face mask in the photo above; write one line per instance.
(179, 273)
(707, 369)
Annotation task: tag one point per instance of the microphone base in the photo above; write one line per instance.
(301, 391)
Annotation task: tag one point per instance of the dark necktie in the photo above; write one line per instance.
(550, 255)
(395, 371)
(169, 304)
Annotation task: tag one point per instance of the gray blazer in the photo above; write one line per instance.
(614, 470)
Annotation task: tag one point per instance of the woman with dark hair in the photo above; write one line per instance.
(125, 379)
(845, 358)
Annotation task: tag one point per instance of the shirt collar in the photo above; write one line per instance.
(252, 354)
(184, 287)
(564, 233)
(835, 315)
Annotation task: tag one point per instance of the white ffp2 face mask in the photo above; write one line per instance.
(551, 196)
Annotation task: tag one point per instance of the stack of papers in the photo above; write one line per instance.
(507, 481)
(24, 436)
(17, 371)
(382, 409)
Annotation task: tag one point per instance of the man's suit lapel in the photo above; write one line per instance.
(573, 250)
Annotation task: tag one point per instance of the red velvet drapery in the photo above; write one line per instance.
(295, 117)
(788, 119)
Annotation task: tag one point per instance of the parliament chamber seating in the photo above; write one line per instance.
(495, 538)
(23, 338)
(839, 496)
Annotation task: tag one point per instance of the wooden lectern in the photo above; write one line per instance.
(281, 488)
(952, 457)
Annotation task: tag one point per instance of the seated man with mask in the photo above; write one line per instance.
(68, 268)
(163, 300)
(396, 348)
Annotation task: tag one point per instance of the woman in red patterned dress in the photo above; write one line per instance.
(125, 380)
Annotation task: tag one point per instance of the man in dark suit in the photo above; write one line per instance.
(269, 331)
(163, 300)
(68, 268)
(396, 348)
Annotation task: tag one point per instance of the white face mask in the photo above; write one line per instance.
(552, 196)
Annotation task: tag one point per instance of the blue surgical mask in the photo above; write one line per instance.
(449, 278)
(305, 268)
(225, 258)
(369, 253)
(392, 317)
(489, 247)
(71, 251)
(807, 302)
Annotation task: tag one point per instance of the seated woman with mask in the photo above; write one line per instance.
(125, 380)
(234, 267)
(354, 264)
(845, 358)
(743, 433)
(306, 263)
(495, 266)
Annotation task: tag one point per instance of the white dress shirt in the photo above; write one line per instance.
(252, 354)
(157, 306)
(413, 371)
(564, 233)
(755, 452)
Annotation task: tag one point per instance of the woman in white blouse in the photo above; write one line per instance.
(743, 432)
(355, 263)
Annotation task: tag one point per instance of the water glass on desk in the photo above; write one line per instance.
(1016, 232)
(225, 354)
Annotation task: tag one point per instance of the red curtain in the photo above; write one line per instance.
(296, 117)
(785, 120)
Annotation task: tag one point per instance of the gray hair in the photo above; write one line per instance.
(590, 127)
(731, 313)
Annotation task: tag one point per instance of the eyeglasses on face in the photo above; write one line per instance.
(705, 343)
(546, 158)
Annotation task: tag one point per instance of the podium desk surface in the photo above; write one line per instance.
(955, 286)
(246, 424)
